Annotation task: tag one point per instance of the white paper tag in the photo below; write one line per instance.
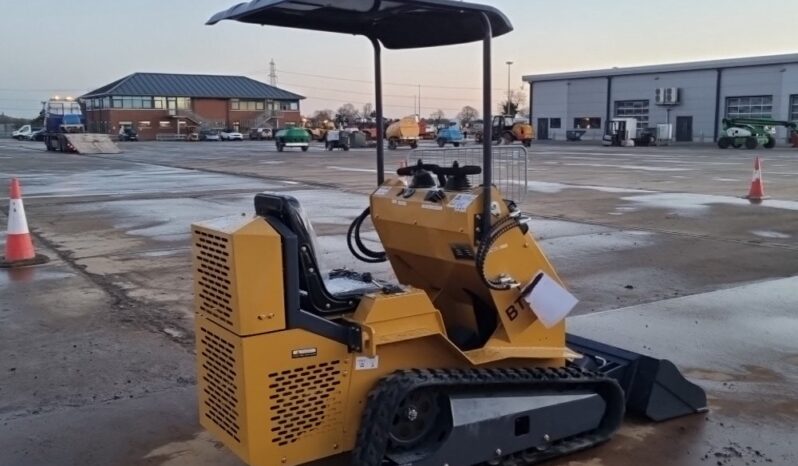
(365, 363)
(550, 302)
(461, 202)
(382, 191)
(431, 206)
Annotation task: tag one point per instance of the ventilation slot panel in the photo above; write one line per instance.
(212, 268)
(219, 383)
(305, 401)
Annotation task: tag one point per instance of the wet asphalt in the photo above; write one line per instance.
(96, 363)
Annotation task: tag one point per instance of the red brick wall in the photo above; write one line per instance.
(213, 110)
(291, 116)
(111, 118)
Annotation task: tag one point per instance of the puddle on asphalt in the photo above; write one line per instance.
(770, 234)
(568, 246)
(554, 188)
(688, 203)
(165, 253)
(628, 167)
(136, 179)
(30, 274)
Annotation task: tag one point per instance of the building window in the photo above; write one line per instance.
(247, 105)
(159, 102)
(144, 125)
(555, 123)
(183, 103)
(136, 102)
(587, 123)
(125, 124)
(749, 107)
(637, 109)
(164, 124)
(794, 108)
(289, 106)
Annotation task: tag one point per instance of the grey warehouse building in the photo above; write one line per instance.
(694, 97)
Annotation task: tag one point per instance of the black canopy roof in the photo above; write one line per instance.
(398, 24)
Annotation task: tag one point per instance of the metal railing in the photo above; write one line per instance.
(510, 165)
(170, 137)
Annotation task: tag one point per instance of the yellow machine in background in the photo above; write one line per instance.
(506, 130)
(404, 132)
(464, 361)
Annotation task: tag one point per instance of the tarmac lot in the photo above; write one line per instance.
(96, 363)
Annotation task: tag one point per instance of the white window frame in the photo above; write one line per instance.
(638, 109)
(749, 106)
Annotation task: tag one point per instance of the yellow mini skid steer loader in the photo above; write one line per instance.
(465, 361)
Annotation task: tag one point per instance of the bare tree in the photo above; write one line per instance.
(467, 115)
(437, 116)
(514, 104)
(320, 116)
(347, 114)
(368, 111)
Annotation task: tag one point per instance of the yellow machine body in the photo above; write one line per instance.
(276, 395)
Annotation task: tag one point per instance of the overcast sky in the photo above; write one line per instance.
(70, 47)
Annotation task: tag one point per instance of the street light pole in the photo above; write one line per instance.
(509, 87)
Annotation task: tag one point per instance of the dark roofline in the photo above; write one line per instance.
(108, 89)
(742, 62)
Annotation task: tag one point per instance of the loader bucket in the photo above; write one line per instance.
(654, 387)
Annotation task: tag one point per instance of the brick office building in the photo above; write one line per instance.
(168, 104)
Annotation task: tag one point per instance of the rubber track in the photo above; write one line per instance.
(384, 400)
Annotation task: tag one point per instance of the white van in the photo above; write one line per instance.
(23, 132)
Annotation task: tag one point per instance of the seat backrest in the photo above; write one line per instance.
(290, 212)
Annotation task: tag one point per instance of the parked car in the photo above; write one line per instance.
(23, 132)
(260, 134)
(450, 135)
(128, 134)
(231, 135)
(209, 135)
(36, 135)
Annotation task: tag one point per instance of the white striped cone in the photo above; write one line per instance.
(19, 246)
(757, 191)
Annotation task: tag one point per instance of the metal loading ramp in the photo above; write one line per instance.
(92, 143)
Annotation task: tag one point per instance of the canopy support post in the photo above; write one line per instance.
(379, 110)
(487, 127)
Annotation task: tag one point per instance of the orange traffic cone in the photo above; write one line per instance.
(757, 192)
(19, 246)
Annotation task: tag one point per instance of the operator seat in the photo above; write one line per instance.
(339, 292)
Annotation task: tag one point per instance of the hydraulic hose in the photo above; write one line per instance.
(497, 231)
(356, 245)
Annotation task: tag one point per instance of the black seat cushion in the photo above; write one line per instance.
(319, 294)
